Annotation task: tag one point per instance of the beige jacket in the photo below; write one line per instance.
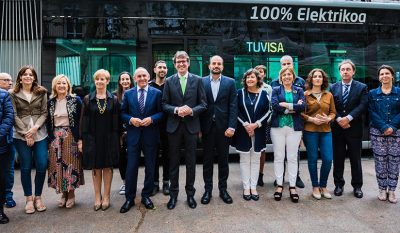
(30, 113)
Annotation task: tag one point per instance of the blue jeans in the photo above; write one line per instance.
(10, 173)
(39, 152)
(322, 141)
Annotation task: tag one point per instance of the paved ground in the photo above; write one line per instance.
(341, 214)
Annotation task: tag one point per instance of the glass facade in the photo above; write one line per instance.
(79, 38)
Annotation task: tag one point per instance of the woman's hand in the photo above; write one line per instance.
(29, 140)
(250, 129)
(316, 121)
(324, 118)
(32, 131)
(388, 131)
(284, 104)
(80, 145)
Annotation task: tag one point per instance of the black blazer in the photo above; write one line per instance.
(194, 97)
(224, 108)
(357, 104)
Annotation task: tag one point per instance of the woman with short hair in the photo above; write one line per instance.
(65, 161)
(100, 136)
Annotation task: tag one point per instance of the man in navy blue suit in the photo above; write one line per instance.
(218, 125)
(183, 100)
(141, 111)
(351, 101)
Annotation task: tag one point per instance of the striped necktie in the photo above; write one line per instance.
(345, 94)
(141, 100)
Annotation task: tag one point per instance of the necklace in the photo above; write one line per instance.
(252, 100)
(101, 109)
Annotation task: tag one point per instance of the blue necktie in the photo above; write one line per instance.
(345, 94)
(141, 100)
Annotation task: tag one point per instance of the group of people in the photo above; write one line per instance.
(64, 134)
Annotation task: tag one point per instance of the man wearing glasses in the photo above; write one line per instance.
(6, 84)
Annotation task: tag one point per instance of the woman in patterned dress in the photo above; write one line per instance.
(65, 161)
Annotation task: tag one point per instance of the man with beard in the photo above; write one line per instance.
(183, 101)
(218, 125)
(160, 69)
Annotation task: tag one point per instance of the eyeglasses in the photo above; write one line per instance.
(6, 80)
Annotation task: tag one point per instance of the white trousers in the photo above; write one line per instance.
(250, 167)
(285, 140)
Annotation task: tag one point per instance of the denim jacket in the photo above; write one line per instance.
(384, 110)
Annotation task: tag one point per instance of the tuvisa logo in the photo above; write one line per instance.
(264, 47)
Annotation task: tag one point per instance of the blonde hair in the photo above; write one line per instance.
(102, 72)
(283, 70)
(54, 83)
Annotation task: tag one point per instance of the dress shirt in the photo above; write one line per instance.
(349, 87)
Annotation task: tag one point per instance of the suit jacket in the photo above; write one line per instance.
(194, 97)
(224, 109)
(357, 103)
(152, 108)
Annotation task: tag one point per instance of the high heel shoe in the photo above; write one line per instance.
(62, 201)
(294, 196)
(70, 203)
(39, 204)
(105, 205)
(96, 207)
(246, 197)
(278, 195)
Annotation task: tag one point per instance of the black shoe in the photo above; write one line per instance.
(224, 195)
(155, 190)
(358, 192)
(165, 187)
(247, 197)
(278, 195)
(255, 197)
(126, 206)
(294, 196)
(148, 203)
(172, 203)
(338, 191)
(191, 202)
(206, 198)
(3, 217)
(299, 183)
(260, 181)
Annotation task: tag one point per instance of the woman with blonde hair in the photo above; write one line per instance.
(65, 161)
(100, 136)
(29, 100)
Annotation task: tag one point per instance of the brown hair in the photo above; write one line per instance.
(36, 88)
(325, 82)
(249, 72)
(283, 70)
(391, 70)
(120, 89)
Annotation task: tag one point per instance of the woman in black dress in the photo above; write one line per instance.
(100, 137)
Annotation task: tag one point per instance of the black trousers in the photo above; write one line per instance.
(351, 146)
(163, 160)
(215, 141)
(123, 159)
(4, 163)
(134, 152)
(175, 140)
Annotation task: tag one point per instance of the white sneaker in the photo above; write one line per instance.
(122, 190)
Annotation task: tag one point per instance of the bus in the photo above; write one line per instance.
(79, 37)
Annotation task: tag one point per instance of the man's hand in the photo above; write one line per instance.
(146, 121)
(344, 123)
(184, 111)
(136, 122)
(229, 133)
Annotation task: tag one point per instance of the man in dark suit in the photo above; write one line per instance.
(351, 100)
(141, 111)
(218, 125)
(183, 100)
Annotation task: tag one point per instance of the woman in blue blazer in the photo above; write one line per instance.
(253, 113)
(286, 129)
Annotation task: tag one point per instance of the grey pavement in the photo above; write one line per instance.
(341, 214)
